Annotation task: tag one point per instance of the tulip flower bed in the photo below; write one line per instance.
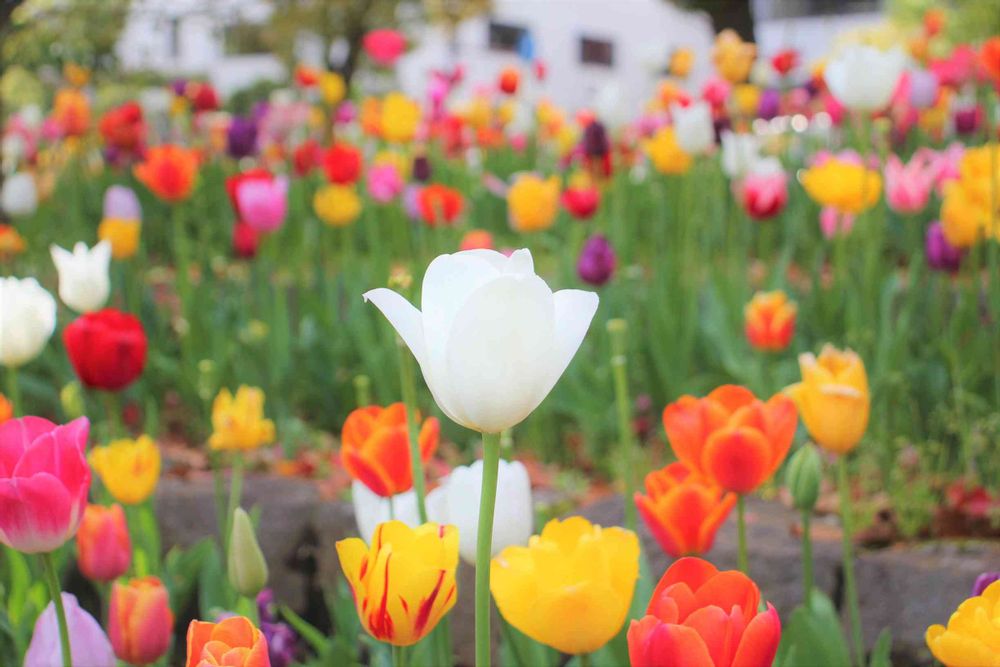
(437, 308)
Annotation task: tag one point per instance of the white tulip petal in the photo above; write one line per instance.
(574, 311)
(371, 509)
(520, 263)
(404, 318)
(514, 515)
(497, 345)
(496, 259)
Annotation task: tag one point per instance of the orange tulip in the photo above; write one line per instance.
(6, 409)
(683, 510)
(140, 622)
(375, 448)
(71, 111)
(234, 642)
(700, 617)
(169, 172)
(509, 80)
(103, 544)
(770, 320)
(989, 58)
(731, 436)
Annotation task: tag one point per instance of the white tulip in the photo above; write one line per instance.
(693, 126)
(863, 78)
(371, 509)
(739, 153)
(492, 338)
(19, 197)
(456, 502)
(27, 320)
(84, 283)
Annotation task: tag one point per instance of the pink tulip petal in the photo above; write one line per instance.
(37, 513)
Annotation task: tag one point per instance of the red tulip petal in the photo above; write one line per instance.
(670, 645)
(713, 626)
(737, 459)
(759, 643)
(727, 590)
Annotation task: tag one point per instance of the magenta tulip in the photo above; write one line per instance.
(263, 204)
(44, 479)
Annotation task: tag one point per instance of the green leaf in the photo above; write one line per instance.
(306, 630)
(881, 654)
(813, 636)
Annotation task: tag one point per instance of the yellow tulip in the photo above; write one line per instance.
(238, 422)
(400, 117)
(965, 211)
(533, 202)
(833, 398)
(972, 638)
(129, 469)
(746, 98)
(337, 205)
(76, 75)
(846, 186)
(123, 235)
(664, 152)
(332, 88)
(733, 57)
(571, 587)
(405, 582)
(681, 62)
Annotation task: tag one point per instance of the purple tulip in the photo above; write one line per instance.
(346, 112)
(597, 261)
(242, 137)
(282, 642)
(421, 169)
(941, 255)
(923, 88)
(595, 140)
(179, 86)
(88, 645)
(983, 581)
(121, 203)
(770, 104)
(967, 120)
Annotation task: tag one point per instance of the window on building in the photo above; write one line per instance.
(244, 39)
(505, 36)
(597, 52)
(175, 38)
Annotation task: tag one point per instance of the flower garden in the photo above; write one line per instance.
(467, 317)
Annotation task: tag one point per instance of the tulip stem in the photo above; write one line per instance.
(584, 660)
(235, 491)
(850, 587)
(14, 391)
(362, 390)
(410, 401)
(111, 407)
(742, 559)
(48, 564)
(807, 558)
(399, 656)
(484, 546)
(618, 330)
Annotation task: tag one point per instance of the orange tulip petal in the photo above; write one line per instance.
(367, 472)
(430, 434)
(672, 645)
(759, 643)
(737, 459)
(715, 629)
(727, 590)
(732, 397)
(685, 427)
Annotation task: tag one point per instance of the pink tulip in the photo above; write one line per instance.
(908, 186)
(384, 46)
(263, 204)
(44, 479)
(384, 183)
(764, 195)
(88, 645)
(716, 91)
(832, 222)
(943, 163)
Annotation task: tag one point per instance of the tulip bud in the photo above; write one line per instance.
(803, 475)
(71, 400)
(140, 622)
(103, 544)
(247, 568)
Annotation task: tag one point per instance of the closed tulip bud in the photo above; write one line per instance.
(102, 542)
(84, 283)
(247, 568)
(19, 196)
(803, 476)
(121, 203)
(492, 338)
(597, 261)
(833, 398)
(122, 234)
(27, 320)
(421, 169)
(456, 502)
(140, 622)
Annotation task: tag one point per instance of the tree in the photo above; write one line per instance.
(735, 14)
(448, 14)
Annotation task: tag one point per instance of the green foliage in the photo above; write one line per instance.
(243, 100)
(811, 636)
(968, 20)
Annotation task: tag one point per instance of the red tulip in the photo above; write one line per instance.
(205, 98)
(123, 128)
(140, 622)
(342, 163)
(509, 80)
(246, 240)
(384, 46)
(103, 546)
(307, 156)
(107, 348)
(700, 617)
(581, 203)
(44, 479)
(785, 61)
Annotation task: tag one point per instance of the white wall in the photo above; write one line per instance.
(644, 32)
(812, 36)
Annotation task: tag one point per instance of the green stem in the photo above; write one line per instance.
(114, 414)
(584, 660)
(14, 391)
(511, 642)
(410, 400)
(48, 564)
(399, 656)
(807, 558)
(743, 560)
(235, 491)
(182, 266)
(484, 546)
(218, 486)
(618, 330)
(850, 587)
(362, 390)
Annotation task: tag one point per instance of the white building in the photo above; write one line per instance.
(620, 47)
